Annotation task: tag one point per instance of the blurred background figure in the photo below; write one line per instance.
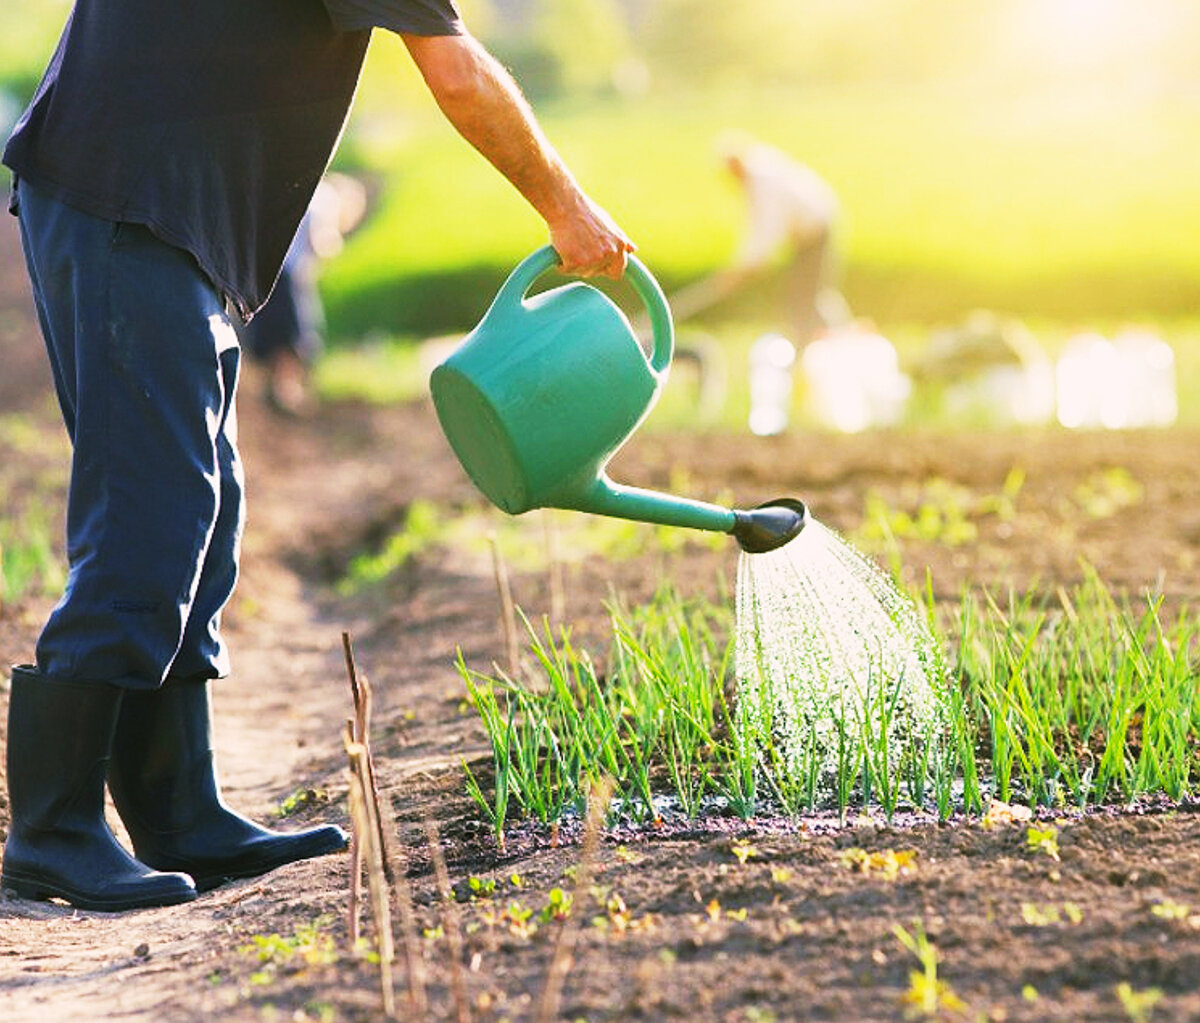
(791, 217)
(286, 335)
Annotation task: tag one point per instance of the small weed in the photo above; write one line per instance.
(1138, 1005)
(309, 943)
(1169, 909)
(888, 864)
(1043, 840)
(1047, 915)
(943, 515)
(558, 906)
(742, 850)
(1107, 493)
(515, 918)
(302, 799)
(423, 524)
(481, 887)
(28, 560)
(618, 918)
(927, 995)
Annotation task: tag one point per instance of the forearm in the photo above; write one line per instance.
(480, 99)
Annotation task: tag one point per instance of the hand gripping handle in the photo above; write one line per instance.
(534, 265)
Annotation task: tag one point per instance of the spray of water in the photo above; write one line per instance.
(839, 673)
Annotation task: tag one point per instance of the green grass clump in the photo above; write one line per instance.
(1084, 699)
(657, 721)
(1072, 700)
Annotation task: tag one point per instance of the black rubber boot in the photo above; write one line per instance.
(163, 783)
(59, 845)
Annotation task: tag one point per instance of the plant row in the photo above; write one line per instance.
(1075, 700)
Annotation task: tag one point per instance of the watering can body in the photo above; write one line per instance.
(546, 389)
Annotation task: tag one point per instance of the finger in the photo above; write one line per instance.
(615, 268)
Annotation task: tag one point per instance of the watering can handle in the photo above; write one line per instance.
(647, 288)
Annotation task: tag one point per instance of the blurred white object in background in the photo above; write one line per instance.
(854, 380)
(771, 359)
(1089, 384)
(1149, 364)
(989, 370)
(1118, 384)
(1019, 394)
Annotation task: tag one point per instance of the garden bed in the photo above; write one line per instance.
(1064, 915)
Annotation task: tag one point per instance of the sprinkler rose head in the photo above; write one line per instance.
(770, 525)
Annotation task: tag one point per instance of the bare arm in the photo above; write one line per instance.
(480, 99)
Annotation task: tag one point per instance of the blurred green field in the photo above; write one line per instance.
(970, 175)
(950, 202)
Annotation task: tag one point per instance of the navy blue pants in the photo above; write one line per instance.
(145, 365)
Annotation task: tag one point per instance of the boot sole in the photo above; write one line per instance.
(38, 889)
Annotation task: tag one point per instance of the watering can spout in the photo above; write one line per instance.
(770, 525)
(756, 530)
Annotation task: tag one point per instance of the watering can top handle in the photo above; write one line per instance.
(647, 288)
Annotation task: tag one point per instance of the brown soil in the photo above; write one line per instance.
(792, 933)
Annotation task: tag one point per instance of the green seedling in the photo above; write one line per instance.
(927, 996)
(1043, 840)
(302, 799)
(1047, 915)
(742, 850)
(558, 906)
(1138, 1005)
(310, 944)
(1169, 909)
(481, 887)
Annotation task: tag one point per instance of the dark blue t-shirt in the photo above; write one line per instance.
(209, 121)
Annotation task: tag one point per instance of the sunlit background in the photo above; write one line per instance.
(1036, 158)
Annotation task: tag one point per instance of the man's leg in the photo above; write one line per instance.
(139, 342)
(62, 715)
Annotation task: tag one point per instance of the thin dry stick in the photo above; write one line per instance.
(353, 933)
(381, 825)
(450, 923)
(558, 590)
(508, 613)
(363, 817)
(360, 689)
(564, 947)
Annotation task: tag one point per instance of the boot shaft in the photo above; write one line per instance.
(59, 738)
(161, 775)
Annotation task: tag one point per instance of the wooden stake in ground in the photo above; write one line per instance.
(363, 818)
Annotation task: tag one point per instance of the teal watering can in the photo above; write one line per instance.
(545, 390)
